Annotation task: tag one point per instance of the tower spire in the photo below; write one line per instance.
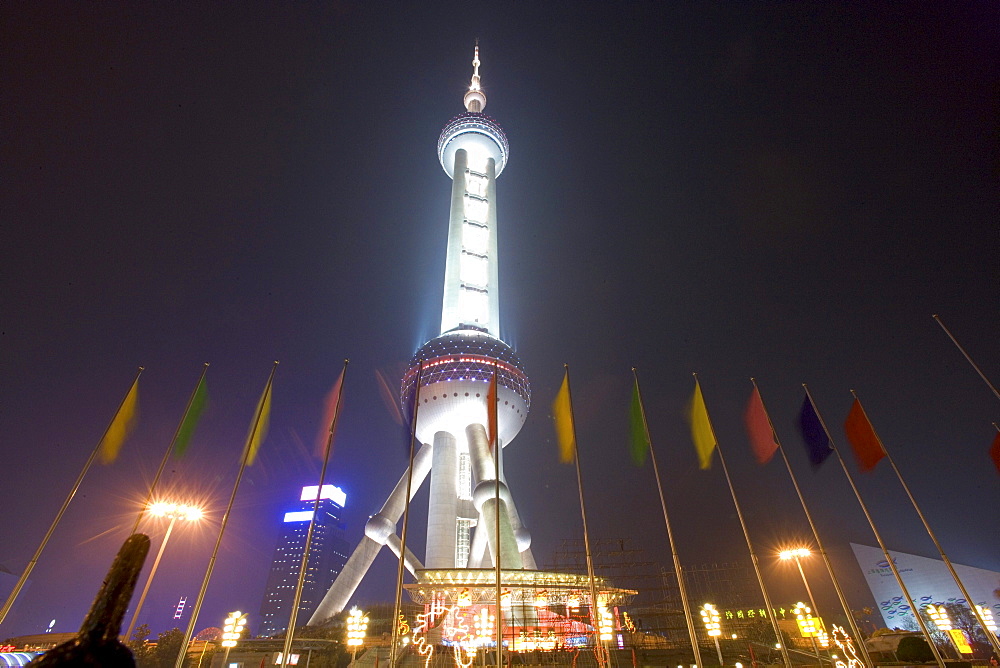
(475, 99)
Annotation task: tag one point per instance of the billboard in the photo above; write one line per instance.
(928, 581)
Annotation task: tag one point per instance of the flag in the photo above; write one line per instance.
(701, 428)
(813, 435)
(121, 425)
(861, 435)
(329, 415)
(562, 413)
(191, 417)
(491, 410)
(995, 452)
(759, 430)
(258, 428)
(639, 437)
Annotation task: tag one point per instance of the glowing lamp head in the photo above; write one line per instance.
(178, 511)
(797, 553)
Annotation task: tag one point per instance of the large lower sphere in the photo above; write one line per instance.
(455, 380)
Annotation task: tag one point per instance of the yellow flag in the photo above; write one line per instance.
(562, 412)
(121, 425)
(701, 428)
(258, 429)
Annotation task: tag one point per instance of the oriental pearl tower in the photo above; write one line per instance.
(464, 505)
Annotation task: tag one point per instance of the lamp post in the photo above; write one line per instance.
(809, 626)
(710, 616)
(357, 624)
(798, 554)
(231, 630)
(175, 511)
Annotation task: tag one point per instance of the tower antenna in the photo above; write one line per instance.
(475, 99)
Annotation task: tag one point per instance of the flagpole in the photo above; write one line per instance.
(406, 521)
(69, 497)
(491, 416)
(297, 599)
(972, 605)
(878, 536)
(247, 451)
(688, 617)
(599, 644)
(746, 534)
(149, 497)
(163, 464)
(819, 543)
(969, 359)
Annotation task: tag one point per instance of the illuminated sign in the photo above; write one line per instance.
(960, 641)
(299, 516)
(330, 492)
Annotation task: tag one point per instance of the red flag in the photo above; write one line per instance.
(759, 430)
(491, 409)
(995, 452)
(867, 448)
(329, 413)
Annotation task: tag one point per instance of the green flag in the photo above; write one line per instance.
(191, 417)
(639, 438)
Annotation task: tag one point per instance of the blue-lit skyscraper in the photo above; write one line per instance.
(327, 556)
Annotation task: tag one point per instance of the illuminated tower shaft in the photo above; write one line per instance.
(470, 275)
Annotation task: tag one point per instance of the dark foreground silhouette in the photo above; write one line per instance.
(97, 642)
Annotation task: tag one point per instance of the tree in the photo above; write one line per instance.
(168, 645)
(139, 645)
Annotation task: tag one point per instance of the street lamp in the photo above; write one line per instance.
(798, 554)
(357, 624)
(231, 631)
(710, 616)
(175, 511)
(809, 626)
(987, 616)
(939, 617)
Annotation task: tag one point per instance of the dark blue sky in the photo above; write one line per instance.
(780, 190)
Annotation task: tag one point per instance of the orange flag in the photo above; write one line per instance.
(330, 405)
(759, 429)
(861, 435)
(491, 409)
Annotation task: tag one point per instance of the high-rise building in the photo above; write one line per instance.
(327, 555)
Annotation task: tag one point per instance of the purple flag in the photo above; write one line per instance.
(813, 435)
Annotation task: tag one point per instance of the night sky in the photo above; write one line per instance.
(784, 190)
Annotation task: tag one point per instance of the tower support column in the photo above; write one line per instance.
(485, 498)
(442, 512)
(378, 529)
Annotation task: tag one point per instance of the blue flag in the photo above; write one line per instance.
(813, 435)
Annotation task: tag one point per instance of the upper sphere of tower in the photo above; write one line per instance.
(479, 135)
